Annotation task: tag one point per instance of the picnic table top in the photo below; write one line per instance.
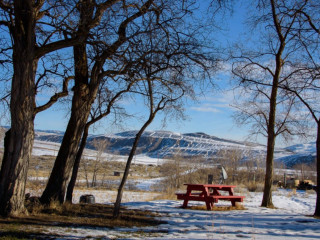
(210, 185)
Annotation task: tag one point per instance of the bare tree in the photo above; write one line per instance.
(261, 72)
(133, 23)
(86, 87)
(92, 166)
(106, 100)
(32, 35)
(154, 108)
(231, 160)
(305, 83)
(100, 146)
(167, 76)
(85, 165)
(173, 170)
(302, 79)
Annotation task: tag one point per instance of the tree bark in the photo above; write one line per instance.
(83, 97)
(317, 210)
(267, 192)
(84, 141)
(76, 165)
(19, 139)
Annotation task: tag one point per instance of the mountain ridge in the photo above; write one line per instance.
(165, 144)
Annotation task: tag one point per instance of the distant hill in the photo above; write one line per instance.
(299, 153)
(162, 144)
(165, 144)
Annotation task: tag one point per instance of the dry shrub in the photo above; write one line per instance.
(55, 205)
(35, 186)
(33, 205)
(292, 193)
(308, 192)
(169, 193)
(255, 187)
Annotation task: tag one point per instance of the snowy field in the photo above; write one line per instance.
(50, 148)
(291, 220)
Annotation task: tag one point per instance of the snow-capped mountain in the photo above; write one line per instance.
(300, 153)
(165, 144)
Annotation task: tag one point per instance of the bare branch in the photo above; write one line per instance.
(56, 96)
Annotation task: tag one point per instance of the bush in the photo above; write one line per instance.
(255, 187)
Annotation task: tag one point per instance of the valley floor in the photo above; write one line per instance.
(290, 220)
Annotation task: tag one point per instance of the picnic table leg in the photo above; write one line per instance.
(209, 204)
(216, 192)
(185, 203)
(231, 192)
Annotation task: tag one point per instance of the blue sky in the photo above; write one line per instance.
(211, 114)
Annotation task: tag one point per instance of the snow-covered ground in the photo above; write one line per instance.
(52, 148)
(290, 220)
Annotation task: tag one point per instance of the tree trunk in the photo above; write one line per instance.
(19, 139)
(82, 100)
(117, 204)
(77, 164)
(317, 211)
(267, 192)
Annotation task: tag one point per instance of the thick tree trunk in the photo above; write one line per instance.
(76, 165)
(82, 100)
(61, 172)
(317, 210)
(19, 139)
(267, 192)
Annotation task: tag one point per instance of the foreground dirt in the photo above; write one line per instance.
(41, 219)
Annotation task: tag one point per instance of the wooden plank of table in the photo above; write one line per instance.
(210, 185)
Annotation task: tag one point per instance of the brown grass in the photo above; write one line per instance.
(255, 187)
(96, 216)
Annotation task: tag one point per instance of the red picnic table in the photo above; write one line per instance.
(208, 193)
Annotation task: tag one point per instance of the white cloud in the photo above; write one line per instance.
(205, 109)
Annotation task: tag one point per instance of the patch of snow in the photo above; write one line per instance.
(50, 148)
(289, 220)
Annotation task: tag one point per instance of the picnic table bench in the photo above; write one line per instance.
(208, 193)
